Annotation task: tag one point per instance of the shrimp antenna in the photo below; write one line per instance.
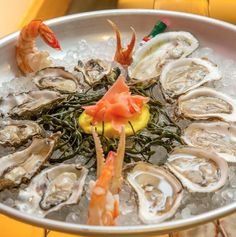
(99, 151)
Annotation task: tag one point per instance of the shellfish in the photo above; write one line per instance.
(204, 103)
(149, 59)
(198, 170)
(53, 188)
(185, 74)
(20, 166)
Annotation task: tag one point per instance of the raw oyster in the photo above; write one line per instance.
(19, 167)
(93, 70)
(53, 188)
(204, 103)
(28, 104)
(185, 74)
(198, 170)
(218, 136)
(15, 132)
(159, 192)
(56, 78)
(149, 59)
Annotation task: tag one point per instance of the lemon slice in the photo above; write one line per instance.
(138, 122)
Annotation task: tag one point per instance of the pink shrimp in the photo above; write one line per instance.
(104, 203)
(29, 58)
(122, 55)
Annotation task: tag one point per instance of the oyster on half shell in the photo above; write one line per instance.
(217, 136)
(159, 192)
(198, 170)
(185, 74)
(149, 59)
(56, 78)
(15, 132)
(21, 166)
(28, 104)
(93, 70)
(53, 188)
(205, 103)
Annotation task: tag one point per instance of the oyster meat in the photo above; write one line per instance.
(15, 132)
(217, 136)
(198, 170)
(28, 104)
(149, 59)
(19, 167)
(56, 78)
(53, 188)
(159, 192)
(185, 74)
(93, 70)
(204, 103)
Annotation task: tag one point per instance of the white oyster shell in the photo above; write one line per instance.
(56, 78)
(15, 132)
(28, 104)
(204, 103)
(198, 170)
(53, 188)
(149, 59)
(217, 136)
(185, 74)
(159, 192)
(20, 166)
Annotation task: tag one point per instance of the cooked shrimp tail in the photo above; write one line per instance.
(29, 58)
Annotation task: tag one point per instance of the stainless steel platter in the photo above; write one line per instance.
(93, 27)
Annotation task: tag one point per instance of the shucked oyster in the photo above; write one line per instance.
(159, 192)
(56, 78)
(198, 170)
(21, 166)
(15, 132)
(217, 136)
(204, 103)
(185, 74)
(93, 70)
(28, 104)
(53, 188)
(149, 59)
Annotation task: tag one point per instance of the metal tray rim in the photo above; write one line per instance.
(118, 230)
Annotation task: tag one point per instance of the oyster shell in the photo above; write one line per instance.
(149, 59)
(56, 78)
(53, 188)
(15, 132)
(218, 136)
(28, 104)
(93, 70)
(159, 192)
(204, 103)
(185, 74)
(198, 170)
(19, 167)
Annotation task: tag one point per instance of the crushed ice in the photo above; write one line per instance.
(192, 203)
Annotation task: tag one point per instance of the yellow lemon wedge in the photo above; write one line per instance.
(138, 122)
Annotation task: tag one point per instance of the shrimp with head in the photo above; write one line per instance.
(29, 58)
(104, 201)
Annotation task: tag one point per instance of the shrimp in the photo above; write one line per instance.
(104, 202)
(29, 58)
(122, 55)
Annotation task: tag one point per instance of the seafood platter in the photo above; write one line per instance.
(123, 125)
